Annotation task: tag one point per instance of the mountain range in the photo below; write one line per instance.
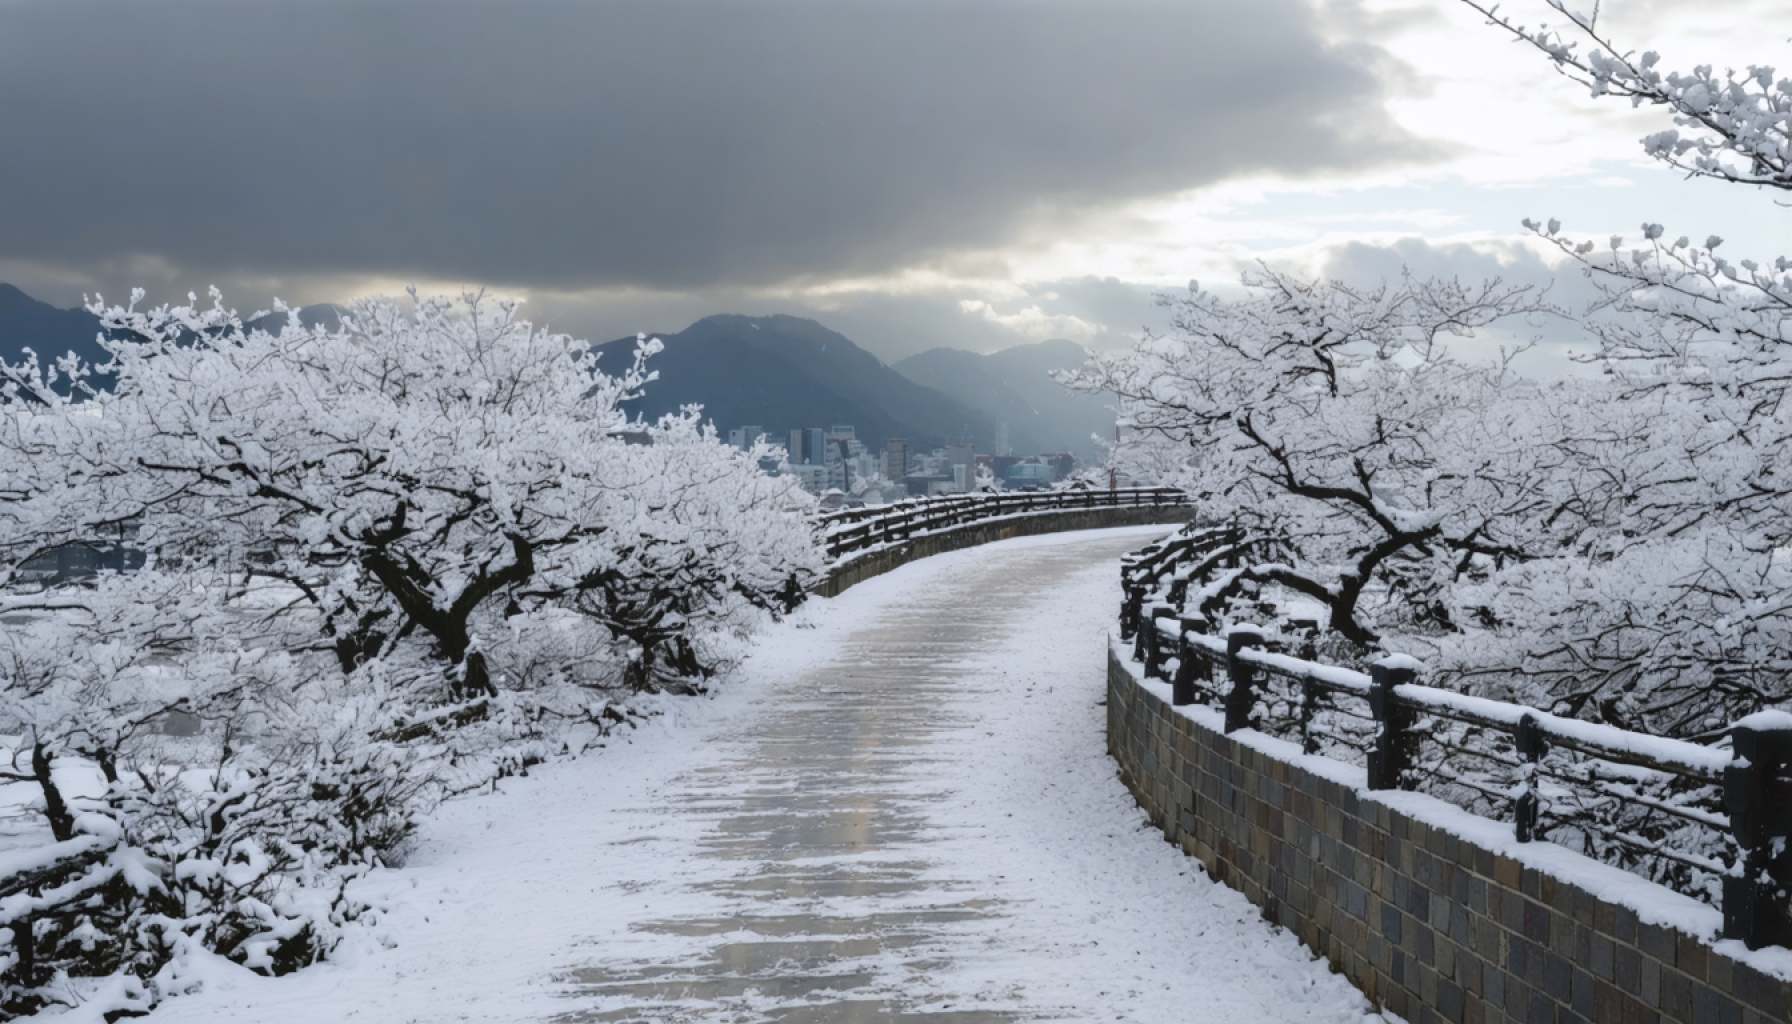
(26, 323)
(776, 372)
(780, 372)
(1015, 388)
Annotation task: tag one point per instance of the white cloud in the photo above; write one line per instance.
(1034, 322)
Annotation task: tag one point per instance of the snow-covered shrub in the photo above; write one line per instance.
(234, 841)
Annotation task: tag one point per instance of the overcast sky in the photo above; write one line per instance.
(974, 174)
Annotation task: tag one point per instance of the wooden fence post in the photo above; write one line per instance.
(1154, 639)
(1531, 745)
(1190, 655)
(1179, 590)
(1392, 754)
(1309, 689)
(1241, 696)
(1755, 897)
(1131, 610)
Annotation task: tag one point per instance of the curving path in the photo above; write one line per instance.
(903, 814)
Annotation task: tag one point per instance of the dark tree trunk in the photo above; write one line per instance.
(474, 679)
(24, 944)
(638, 676)
(108, 766)
(62, 821)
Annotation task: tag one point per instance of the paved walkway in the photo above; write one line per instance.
(900, 812)
(922, 828)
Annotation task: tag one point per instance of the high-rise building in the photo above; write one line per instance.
(895, 458)
(960, 454)
(745, 437)
(814, 477)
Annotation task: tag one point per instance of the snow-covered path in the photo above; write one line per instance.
(902, 813)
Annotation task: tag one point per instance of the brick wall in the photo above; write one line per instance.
(971, 534)
(1429, 925)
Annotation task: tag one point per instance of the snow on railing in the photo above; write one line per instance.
(853, 531)
(1737, 800)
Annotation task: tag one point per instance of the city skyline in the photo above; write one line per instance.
(833, 458)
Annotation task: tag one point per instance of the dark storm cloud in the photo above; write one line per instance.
(665, 143)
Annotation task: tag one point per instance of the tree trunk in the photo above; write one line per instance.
(474, 679)
(638, 676)
(108, 766)
(24, 945)
(62, 821)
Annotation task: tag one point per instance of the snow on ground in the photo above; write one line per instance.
(900, 810)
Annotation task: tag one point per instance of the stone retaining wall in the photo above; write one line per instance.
(877, 563)
(1430, 925)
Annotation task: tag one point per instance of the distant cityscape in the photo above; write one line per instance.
(833, 463)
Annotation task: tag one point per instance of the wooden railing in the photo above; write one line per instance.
(1739, 799)
(850, 531)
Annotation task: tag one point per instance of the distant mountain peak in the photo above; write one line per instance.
(12, 297)
(1050, 345)
(780, 372)
(1015, 387)
(27, 323)
(779, 323)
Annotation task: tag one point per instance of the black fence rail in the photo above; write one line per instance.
(1711, 821)
(851, 531)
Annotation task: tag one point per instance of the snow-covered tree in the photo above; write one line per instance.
(402, 470)
(1735, 126)
(986, 481)
(399, 469)
(709, 544)
(387, 556)
(1610, 548)
(1678, 624)
(1366, 464)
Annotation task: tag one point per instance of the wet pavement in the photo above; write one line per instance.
(815, 881)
